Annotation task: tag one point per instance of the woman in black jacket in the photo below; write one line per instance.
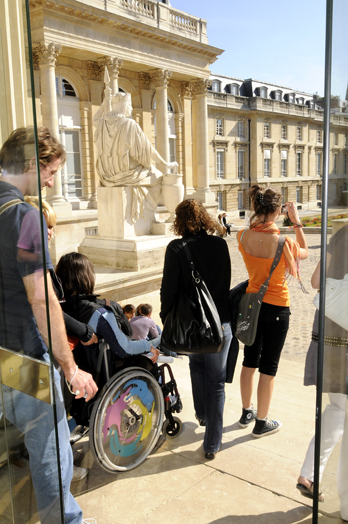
(211, 257)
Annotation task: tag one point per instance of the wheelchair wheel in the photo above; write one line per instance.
(172, 430)
(127, 420)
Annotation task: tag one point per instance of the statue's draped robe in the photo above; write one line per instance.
(124, 159)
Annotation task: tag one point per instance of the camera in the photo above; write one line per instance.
(284, 210)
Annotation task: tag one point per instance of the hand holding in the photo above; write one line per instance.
(82, 384)
(293, 213)
(174, 166)
(92, 340)
(155, 353)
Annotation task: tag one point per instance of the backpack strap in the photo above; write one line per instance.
(9, 204)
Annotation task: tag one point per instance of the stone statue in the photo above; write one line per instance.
(125, 153)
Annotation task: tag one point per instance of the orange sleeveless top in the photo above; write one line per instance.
(258, 270)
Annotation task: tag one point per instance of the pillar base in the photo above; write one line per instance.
(61, 206)
(143, 253)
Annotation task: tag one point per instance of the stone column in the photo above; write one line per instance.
(144, 84)
(46, 56)
(114, 65)
(202, 191)
(96, 86)
(186, 94)
(161, 79)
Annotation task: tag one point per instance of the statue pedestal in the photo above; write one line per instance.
(114, 214)
(121, 244)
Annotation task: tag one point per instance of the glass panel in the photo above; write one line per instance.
(30, 480)
(333, 474)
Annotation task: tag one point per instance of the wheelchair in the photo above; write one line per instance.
(125, 418)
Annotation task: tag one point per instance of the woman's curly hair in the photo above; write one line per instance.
(191, 217)
(265, 201)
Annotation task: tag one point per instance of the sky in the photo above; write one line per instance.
(276, 41)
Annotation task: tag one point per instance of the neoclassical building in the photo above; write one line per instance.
(157, 54)
(272, 135)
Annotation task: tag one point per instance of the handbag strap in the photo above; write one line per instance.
(263, 288)
(194, 272)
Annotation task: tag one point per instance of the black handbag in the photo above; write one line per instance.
(193, 325)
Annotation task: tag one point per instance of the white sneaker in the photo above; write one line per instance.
(79, 474)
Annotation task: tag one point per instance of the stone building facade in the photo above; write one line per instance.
(157, 54)
(272, 135)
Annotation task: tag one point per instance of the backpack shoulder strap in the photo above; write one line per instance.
(9, 204)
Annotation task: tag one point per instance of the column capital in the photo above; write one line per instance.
(113, 64)
(46, 54)
(161, 77)
(200, 86)
(94, 70)
(186, 89)
(144, 80)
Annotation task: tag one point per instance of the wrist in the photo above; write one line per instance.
(71, 372)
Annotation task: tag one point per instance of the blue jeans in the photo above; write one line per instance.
(208, 374)
(35, 419)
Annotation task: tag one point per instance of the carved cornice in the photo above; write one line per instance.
(161, 77)
(267, 145)
(113, 22)
(46, 54)
(200, 86)
(220, 144)
(113, 64)
(186, 89)
(144, 80)
(299, 148)
(94, 70)
(284, 145)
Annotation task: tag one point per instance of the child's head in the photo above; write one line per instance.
(129, 311)
(76, 273)
(145, 310)
(48, 212)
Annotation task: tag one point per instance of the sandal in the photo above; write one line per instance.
(308, 492)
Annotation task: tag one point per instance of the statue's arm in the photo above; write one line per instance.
(157, 158)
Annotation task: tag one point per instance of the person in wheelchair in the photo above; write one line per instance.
(126, 419)
(106, 318)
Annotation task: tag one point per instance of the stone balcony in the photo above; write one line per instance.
(157, 15)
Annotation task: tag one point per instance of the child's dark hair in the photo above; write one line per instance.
(128, 308)
(145, 309)
(265, 201)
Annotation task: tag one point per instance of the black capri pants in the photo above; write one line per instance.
(271, 333)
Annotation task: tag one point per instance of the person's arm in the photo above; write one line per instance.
(34, 285)
(153, 329)
(300, 236)
(315, 280)
(78, 329)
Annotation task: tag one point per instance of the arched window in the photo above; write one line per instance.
(70, 136)
(171, 129)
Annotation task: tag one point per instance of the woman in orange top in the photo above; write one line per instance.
(258, 245)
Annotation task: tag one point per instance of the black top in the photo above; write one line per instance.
(212, 260)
